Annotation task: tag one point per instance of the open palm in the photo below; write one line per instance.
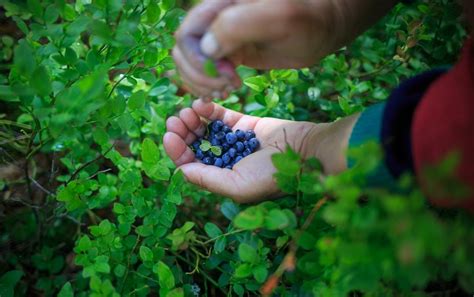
(252, 178)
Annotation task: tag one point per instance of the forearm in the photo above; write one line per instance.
(329, 143)
(344, 20)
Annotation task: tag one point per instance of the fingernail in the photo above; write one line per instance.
(209, 45)
(216, 94)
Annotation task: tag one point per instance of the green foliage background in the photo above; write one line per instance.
(90, 206)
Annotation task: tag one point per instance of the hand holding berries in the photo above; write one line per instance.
(220, 146)
(258, 139)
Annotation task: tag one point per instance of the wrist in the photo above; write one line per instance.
(329, 143)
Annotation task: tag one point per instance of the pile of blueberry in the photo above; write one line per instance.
(223, 148)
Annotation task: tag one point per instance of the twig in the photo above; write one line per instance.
(99, 172)
(41, 187)
(78, 170)
(206, 276)
(288, 263)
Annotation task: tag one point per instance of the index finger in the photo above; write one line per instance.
(195, 25)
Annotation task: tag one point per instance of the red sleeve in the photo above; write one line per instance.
(443, 123)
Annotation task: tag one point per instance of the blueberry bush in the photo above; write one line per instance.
(91, 205)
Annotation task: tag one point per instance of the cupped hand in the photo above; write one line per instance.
(251, 179)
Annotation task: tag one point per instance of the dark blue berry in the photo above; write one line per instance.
(240, 134)
(246, 144)
(237, 159)
(226, 158)
(208, 160)
(232, 152)
(226, 129)
(239, 146)
(254, 144)
(231, 138)
(246, 152)
(196, 145)
(220, 135)
(225, 147)
(217, 125)
(199, 154)
(215, 142)
(249, 135)
(218, 162)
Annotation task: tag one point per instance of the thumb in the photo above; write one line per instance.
(242, 24)
(214, 179)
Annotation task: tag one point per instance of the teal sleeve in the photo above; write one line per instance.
(367, 128)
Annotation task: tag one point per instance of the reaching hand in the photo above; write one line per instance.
(264, 34)
(252, 178)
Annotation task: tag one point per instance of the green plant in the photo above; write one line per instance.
(91, 206)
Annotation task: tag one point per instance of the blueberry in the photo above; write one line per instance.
(196, 145)
(225, 147)
(240, 134)
(254, 144)
(239, 146)
(229, 167)
(231, 138)
(237, 159)
(220, 135)
(246, 152)
(208, 160)
(232, 152)
(218, 162)
(249, 135)
(246, 144)
(226, 158)
(226, 129)
(199, 154)
(217, 125)
(215, 142)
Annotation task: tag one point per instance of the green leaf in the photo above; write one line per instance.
(70, 56)
(150, 152)
(272, 98)
(212, 230)
(153, 12)
(158, 171)
(178, 292)
(40, 81)
(216, 150)
(247, 253)
(21, 25)
(243, 270)
(220, 244)
(287, 163)
(66, 291)
(34, 6)
(151, 57)
(251, 218)
(24, 58)
(205, 145)
(146, 254)
(257, 83)
(8, 282)
(84, 244)
(167, 4)
(229, 209)
(260, 273)
(276, 219)
(137, 100)
(210, 68)
(165, 275)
